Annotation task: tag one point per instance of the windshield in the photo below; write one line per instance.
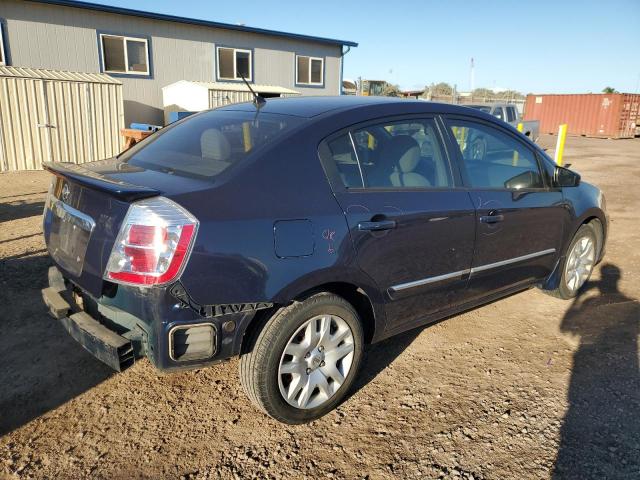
(208, 143)
(482, 108)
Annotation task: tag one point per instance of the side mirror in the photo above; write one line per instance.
(563, 177)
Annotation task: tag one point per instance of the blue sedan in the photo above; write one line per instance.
(293, 232)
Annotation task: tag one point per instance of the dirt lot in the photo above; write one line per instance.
(527, 387)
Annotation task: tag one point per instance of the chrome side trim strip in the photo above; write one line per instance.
(481, 268)
(502, 263)
(425, 281)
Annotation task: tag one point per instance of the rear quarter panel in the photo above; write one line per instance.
(234, 258)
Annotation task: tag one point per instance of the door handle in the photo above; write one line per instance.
(492, 218)
(377, 226)
(44, 125)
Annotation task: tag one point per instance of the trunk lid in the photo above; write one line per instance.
(85, 208)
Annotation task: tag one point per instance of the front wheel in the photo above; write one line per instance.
(302, 362)
(581, 258)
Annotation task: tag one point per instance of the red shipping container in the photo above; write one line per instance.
(607, 115)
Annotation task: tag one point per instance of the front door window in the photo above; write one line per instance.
(494, 159)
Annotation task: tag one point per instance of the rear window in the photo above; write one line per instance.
(207, 144)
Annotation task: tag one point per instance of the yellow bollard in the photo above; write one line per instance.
(562, 136)
(516, 156)
(246, 136)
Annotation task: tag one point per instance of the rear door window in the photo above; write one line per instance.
(343, 156)
(397, 155)
(511, 114)
(494, 159)
(207, 144)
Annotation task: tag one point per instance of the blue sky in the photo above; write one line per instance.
(531, 46)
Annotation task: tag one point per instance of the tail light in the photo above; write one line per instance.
(153, 244)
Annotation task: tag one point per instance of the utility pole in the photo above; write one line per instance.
(472, 75)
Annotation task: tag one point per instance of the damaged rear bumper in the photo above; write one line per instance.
(104, 344)
(163, 324)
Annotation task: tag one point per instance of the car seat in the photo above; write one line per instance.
(404, 153)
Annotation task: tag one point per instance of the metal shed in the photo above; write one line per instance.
(188, 96)
(49, 115)
(608, 115)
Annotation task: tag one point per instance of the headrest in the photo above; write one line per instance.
(215, 145)
(405, 150)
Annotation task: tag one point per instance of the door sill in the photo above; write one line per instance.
(450, 312)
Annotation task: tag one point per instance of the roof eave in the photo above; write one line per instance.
(192, 21)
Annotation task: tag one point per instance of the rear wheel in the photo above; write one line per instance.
(302, 362)
(579, 263)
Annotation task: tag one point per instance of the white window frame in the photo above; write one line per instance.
(321, 82)
(3, 61)
(235, 63)
(124, 39)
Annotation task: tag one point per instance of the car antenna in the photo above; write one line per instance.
(258, 101)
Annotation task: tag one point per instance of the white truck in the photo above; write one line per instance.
(507, 112)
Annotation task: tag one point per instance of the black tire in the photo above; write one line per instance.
(259, 366)
(563, 291)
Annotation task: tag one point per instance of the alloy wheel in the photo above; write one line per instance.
(316, 361)
(580, 263)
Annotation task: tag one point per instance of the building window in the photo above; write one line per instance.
(125, 55)
(234, 63)
(309, 70)
(3, 55)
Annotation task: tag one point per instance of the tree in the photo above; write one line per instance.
(483, 93)
(512, 95)
(441, 88)
(609, 90)
(390, 90)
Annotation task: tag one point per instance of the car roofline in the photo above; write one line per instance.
(350, 105)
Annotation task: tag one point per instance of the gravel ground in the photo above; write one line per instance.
(526, 387)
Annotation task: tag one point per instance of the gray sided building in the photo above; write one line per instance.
(148, 51)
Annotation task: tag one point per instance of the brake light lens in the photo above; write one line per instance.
(153, 245)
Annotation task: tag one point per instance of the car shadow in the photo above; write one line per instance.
(379, 356)
(600, 434)
(41, 366)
